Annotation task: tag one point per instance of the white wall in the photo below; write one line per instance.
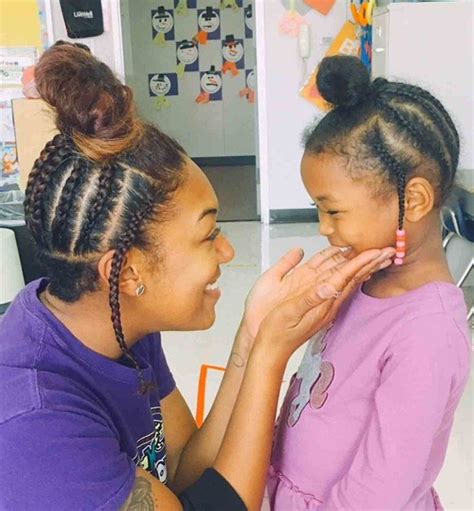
(107, 46)
(283, 113)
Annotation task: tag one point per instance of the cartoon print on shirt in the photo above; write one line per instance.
(151, 449)
(313, 378)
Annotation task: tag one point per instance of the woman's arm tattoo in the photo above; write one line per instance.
(141, 498)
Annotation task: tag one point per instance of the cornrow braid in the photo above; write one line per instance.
(106, 180)
(421, 137)
(437, 113)
(61, 230)
(125, 242)
(395, 167)
(53, 154)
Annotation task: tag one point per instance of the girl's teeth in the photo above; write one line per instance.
(211, 287)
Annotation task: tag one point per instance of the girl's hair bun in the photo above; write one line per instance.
(343, 80)
(91, 103)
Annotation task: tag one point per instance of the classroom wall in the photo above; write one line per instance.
(282, 113)
(107, 46)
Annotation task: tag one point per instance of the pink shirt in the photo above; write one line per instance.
(366, 420)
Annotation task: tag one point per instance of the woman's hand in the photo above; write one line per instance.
(286, 279)
(312, 306)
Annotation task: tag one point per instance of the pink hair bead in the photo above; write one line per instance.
(401, 244)
(400, 255)
(398, 261)
(401, 232)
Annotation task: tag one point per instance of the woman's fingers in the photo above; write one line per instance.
(338, 277)
(322, 257)
(287, 262)
(383, 260)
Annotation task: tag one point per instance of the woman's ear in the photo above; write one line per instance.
(419, 199)
(129, 276)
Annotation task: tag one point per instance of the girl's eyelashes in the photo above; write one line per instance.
(214, 235)
(330, 212)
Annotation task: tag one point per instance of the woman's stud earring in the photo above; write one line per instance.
(140, 290)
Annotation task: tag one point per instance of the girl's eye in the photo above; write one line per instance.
(332, 212)
(214, 234)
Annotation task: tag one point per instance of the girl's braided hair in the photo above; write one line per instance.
(99, 182)
(393, 129)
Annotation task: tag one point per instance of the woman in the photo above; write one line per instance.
(126, 226)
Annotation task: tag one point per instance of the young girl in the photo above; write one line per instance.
(366, 420)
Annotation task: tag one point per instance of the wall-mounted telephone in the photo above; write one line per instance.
(304, 46)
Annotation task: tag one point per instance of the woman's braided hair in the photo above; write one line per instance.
(395, 129)
(99, 182)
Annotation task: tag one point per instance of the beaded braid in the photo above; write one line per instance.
(395, 166)
(124, 244)
(399, 169)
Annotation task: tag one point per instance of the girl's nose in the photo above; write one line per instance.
(325, 227)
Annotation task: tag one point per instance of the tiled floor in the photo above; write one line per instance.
(257, 247)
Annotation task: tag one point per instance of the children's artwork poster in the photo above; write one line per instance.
(13, 61)
(197, 56)
(187, 56)
(211, 86)
(161, 86)
(184, 5)
(233, 53)
(162, 22)
(249, 21)
(209, 23)
(250, 91)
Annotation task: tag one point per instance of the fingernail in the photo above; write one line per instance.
(345, 249)
(326, 291)
(382, 257)
(385, 264)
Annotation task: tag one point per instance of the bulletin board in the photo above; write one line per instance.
(191, 64)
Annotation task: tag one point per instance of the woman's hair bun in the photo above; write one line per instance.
(343, 80)
(91, 103)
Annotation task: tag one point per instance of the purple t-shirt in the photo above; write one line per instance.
(73, 425)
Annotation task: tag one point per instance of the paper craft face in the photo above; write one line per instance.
(187, 52)
(233, 52)
(211, 82)
(162, 22)
(249, 17)
(209, 22)
(252, 80)
(160, 85)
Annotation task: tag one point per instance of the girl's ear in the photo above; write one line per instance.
(419, 199)
(130, 278)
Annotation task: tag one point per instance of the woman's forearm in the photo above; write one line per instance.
(201, 450)
(244, 455)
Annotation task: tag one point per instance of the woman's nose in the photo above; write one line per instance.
(225, 250)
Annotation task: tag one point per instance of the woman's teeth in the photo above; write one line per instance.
(211, 287)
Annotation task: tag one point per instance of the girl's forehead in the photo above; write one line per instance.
(327, 179)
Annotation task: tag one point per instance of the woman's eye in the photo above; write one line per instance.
(214, 234)
(333, 212)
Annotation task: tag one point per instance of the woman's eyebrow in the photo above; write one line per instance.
(209, 211)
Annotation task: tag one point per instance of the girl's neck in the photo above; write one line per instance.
(424, 263)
